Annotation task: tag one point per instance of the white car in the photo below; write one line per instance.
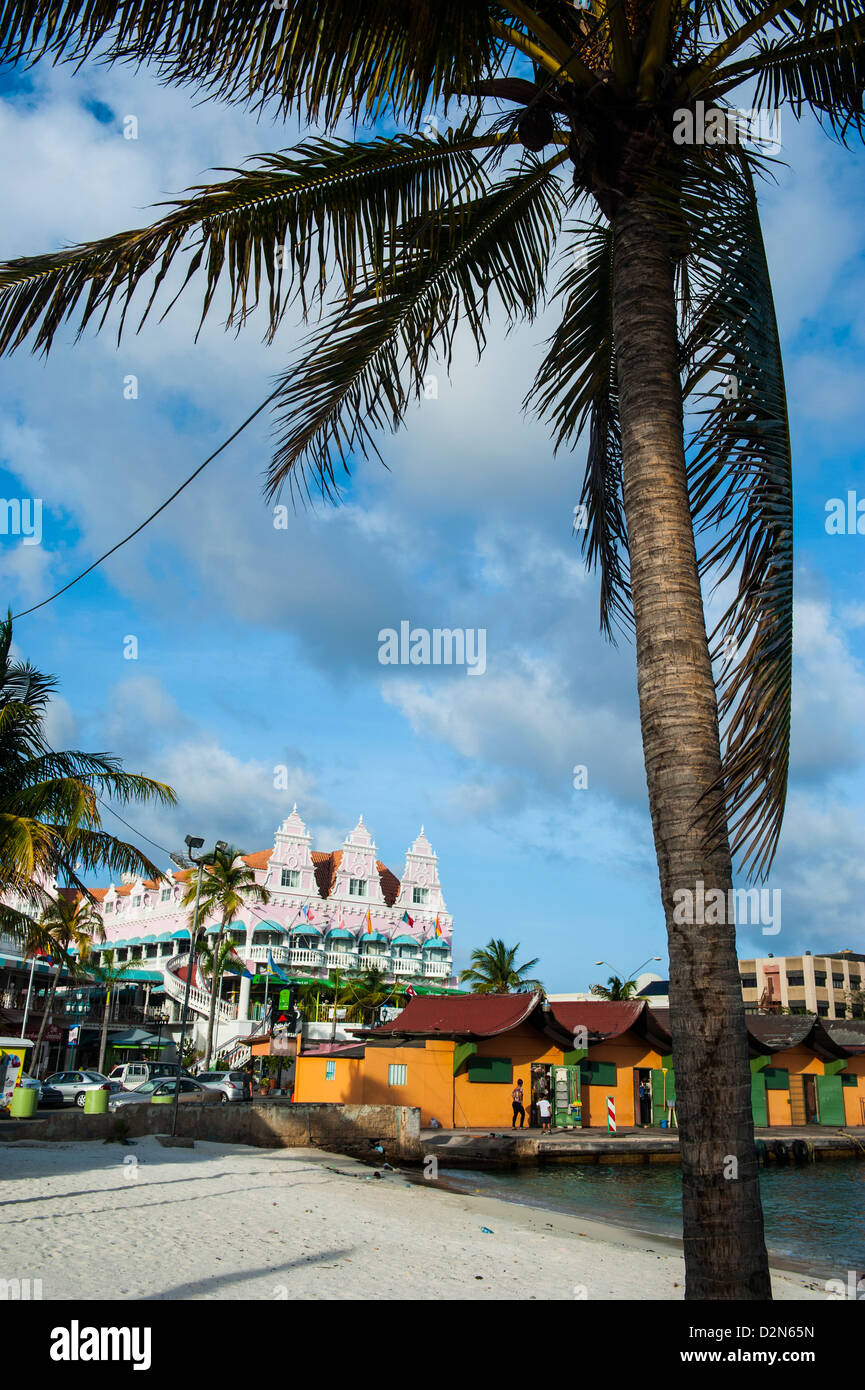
(232, 1085)
(142, 1095)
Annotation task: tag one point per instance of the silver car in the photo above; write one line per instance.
(156, 1087)
(232, 1085)
(74, 1085)
(48, 1095)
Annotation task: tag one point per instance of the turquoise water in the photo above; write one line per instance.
(814, 1216)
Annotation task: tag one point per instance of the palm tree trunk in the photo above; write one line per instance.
(725, 1252)
(103, 1042)
(211, 1014)
(46, 1011)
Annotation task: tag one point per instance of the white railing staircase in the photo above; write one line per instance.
(199, 999)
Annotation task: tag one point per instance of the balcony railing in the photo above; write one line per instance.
(405, 965)
(439, 968)
(341, 960)
(281, 954)
(296, 956)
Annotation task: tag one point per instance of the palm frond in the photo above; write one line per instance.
(361, 372)
(576, 383)
(740, 480)
(332, 204)
(322, 58)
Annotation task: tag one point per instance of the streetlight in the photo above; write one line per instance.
(634, 973)
(189, 861)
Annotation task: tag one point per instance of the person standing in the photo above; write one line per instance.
(518, 1107)
(545, 1113)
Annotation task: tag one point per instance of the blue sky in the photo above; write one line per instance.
(257, 647)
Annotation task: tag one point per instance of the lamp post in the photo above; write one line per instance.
(189, 861)
(633, 975)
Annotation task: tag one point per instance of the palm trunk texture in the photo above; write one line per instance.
(725, 1252)
(49, 1003)
(211, 1014)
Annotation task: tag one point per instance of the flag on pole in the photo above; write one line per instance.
(406, 918)
(309, 914)
(368, 921)
(411, 992)
(274, 968)
(340, 921)
(438, 930)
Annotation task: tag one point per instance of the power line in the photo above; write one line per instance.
(552, 77)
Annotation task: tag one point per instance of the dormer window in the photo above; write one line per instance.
(107, 907)
(420, 896)
(165, 895)
(357, 887)
(289, 878)
(136, 902)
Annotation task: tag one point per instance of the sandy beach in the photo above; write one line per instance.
(97, 1221)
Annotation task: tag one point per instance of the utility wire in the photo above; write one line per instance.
(552, 77)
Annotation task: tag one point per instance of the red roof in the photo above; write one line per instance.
(605, 1018)
(467, 1015)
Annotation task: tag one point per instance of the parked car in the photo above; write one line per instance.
(232, 1085)
(144, 1094)
(131, 1074)
(74, 1085)
(48, 1095)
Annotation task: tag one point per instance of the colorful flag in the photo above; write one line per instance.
(368, 921)
(406, 918)
(412, 993)
(274, 968)
(309, 916)
(340, 921)
(438, 931)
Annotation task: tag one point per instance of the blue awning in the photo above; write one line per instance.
(371, 936)
(433, 941)
(405, 940)
(308, 929)
(339, 932)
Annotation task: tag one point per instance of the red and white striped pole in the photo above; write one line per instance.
(611, 1115)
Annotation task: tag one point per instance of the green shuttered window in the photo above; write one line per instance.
(597, 1073)
(777, 1078)
(496, 1071)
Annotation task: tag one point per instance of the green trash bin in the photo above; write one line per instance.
(24, 1101)
(96, 1102)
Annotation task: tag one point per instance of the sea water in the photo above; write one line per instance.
(814, 1216)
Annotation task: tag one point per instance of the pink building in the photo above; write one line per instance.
(341, 909)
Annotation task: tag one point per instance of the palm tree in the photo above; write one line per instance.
(369, 989)
(616, 989)
(216, 964)
(71, 922)
(108, 973)
(50, 820)
(493, 970)
(665, 305)
(229, 885)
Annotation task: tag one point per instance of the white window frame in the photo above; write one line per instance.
(136, 902)
(165, 895)
(420, 897)
(357, 887)
(397, 1074)
(107, 907)
(289, 878)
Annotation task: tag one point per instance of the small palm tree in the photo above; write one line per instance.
(218, 963)
(108, 973)
(493, 970)
(70, 922)
(616, 989)
(229, 885)
(50, 821)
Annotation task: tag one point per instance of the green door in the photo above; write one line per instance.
(830, 1100)
(662, 1090)
(759, 1107)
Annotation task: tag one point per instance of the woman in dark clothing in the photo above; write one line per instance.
(517, 1098)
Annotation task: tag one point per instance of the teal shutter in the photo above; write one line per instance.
(759, 1104)
(830, 1100)
(491, 1071)
(777, 1078)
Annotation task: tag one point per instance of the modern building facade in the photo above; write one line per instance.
(829, 985)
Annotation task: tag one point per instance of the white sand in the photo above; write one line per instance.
(229, 1222)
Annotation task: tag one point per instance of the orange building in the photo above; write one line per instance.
(458, 1057)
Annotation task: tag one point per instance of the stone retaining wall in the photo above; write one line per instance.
(264, 1124)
